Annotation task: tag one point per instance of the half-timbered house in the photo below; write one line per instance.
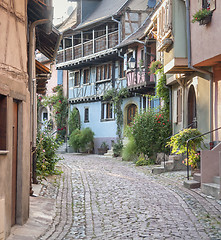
(95, 64)
(19, 83)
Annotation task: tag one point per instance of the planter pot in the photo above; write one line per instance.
(206, 20)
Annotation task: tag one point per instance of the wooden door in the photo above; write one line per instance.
(131, 111)
(14, 162)
(192, 107)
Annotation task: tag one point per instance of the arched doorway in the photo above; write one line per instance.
(192, 107)
(131, 111)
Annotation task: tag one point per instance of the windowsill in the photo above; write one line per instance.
(122, 78)
(86, 84)
(4, 152)
(86, 121)
(107, 119)
(77, 86)
(102, 81)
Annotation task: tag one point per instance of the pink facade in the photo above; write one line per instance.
(205, 39)
(137, 77)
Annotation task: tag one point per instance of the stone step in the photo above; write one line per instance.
(109, 153)
(211, 189)
(191, 184)
(158, 170)
(197, 177)
(216, 179)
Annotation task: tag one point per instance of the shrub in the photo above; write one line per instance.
(129, 151)
(74, 121)
(117, 148)
(143, 161)
(178, 143)
(46, 154)
(82, 139)
(150, 131)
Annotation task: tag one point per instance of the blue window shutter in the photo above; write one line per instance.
(60, 77)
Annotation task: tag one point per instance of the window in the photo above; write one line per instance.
(208, 4)
(104, 72)
(121, 72)
(144, 102)
(142, 55)
(107, 111)
(76, 78)
(86, 76)
(179, 105)
(3, 125)
(45, 116)
(60, 77)
(86, 115)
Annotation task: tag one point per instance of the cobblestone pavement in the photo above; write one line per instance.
(104, 198)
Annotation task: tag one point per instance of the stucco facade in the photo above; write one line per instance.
(15, 111)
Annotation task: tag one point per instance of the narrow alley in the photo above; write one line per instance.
(104, 198)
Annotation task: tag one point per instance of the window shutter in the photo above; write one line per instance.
(59, 77)
(175, 107)
(179, 105)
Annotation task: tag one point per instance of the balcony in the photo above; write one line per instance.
(85, 51)
(136, 81)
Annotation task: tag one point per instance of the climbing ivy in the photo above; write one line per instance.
(162, 91)
(59, 104)
(117, 97)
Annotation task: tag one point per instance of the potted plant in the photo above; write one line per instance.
(178, 143)
(203, 16)
(103, 148)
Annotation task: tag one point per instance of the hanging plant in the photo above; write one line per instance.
(203, 16)
(154, 66)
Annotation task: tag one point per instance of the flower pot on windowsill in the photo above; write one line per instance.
(206, 20)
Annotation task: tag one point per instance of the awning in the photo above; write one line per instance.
(48, 44)
(47, 36)
(42, 75)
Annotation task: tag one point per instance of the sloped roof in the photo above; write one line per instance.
(104, 10)
(141, 31)
(69, 22)
(138, 34)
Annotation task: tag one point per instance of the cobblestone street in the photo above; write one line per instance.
(103, 198)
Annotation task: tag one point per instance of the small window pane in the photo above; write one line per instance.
(86, 115)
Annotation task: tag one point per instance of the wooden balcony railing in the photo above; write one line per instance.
(137, 78)
(87, 48)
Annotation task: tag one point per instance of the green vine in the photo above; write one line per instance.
(117, 98)
(59, 103)
(162, 90)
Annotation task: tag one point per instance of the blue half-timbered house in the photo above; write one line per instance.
(89, 52)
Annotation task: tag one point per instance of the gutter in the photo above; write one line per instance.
(32, 79)
(197, 69)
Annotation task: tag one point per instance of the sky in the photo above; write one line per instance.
(61, 10)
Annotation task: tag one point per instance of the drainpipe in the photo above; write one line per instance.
(197, 69)
(119, 29)
(32, 88)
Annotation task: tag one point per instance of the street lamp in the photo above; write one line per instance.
(131, 63)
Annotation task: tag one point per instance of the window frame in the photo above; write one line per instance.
(77, 83)
(107, 111)
(86, 114)
(87, 75)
